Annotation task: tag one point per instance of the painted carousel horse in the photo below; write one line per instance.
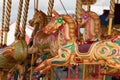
(11, 57)
(41, 42)
(42, 45)
(105, 52)
(38, 21)
(91, 22)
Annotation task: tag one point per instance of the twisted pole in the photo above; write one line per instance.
(25, 12)
(78, 15)
(111, 15)
(88, 7)
(78, 12)
(17, 30)
(2, 25)
(50, 7)
(8, 11)
(36, 3)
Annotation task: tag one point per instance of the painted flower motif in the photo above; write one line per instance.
(86, 17)
(59, 20)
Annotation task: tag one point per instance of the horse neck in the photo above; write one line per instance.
(67, 30)
(36, 28)
(43, 23)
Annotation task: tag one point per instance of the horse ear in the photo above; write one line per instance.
(55, 12)
(36, 10)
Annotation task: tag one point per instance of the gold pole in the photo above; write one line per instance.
(36, 4)
(8, 11)
(84, 66)
(111, 15)
(31, 66)
(32, 59)
(78, 15)
(52, 73)
(2, 25)
(88, 7)
(78, 11)
(25, 14)
(17, 30)
(50, 7)
(104, 77)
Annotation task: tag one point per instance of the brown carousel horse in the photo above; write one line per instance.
(41, 42)
(105, 52)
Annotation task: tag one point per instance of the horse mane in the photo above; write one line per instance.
(72, 25)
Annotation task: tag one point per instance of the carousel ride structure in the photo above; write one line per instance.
(104, 52)
(56, 35)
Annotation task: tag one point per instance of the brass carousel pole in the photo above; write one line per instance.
(24, 20)
(78, 19)
(49, 14)
(78, 15)
(50, 7)
(36, 3)
(17, 30)
(111, 15)
(2, 25)
(8, 11)
(88, 7)
(25, 12)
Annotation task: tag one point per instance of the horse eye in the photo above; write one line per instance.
(39, 16)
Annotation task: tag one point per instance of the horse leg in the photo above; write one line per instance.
(21, 71)
(1, 74)
(11, 72)
(4, 75)
(44, 71)
(42, 65)
(57, 60)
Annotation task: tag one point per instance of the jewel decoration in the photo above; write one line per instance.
(63, 55)
(59, 20)
(117, 42)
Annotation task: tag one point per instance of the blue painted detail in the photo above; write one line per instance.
(58, 62)
(117, 42)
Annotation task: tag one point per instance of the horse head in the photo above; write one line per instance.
(39, 18)
(38, 21)
(54, 24)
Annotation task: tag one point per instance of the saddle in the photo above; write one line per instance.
(84, 48)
